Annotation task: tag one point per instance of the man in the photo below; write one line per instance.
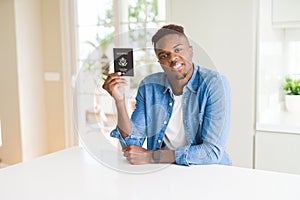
(184, 112)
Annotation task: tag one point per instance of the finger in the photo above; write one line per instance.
(136, 160)
(130, 160)
(130, 147)
(126, 154)
(117, 84)
(111, 86)
(125, 149)
(134, 148)
(113, 75)
(113, 81)
(134, 152)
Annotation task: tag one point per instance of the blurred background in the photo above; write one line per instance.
(55, 54)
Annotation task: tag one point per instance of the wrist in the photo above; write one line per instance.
(120, 103)
(156, 156)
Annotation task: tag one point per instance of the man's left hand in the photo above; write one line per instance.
(137, 155)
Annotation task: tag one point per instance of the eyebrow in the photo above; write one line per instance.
(160, 51)
(177, 45)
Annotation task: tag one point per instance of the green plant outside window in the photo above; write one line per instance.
(292, 86)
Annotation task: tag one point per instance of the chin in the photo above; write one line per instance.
(179, 78)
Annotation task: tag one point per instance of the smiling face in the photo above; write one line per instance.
(175, 55)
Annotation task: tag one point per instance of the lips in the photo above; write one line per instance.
(177, 66)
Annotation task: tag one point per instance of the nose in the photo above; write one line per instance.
(173, 57)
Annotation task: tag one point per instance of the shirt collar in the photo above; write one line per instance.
(193, 83)
(167, 85)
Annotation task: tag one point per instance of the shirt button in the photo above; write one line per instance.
(159, 141)
(165, 122)
(170, 104)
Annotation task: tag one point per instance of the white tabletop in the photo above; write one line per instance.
(74, 174)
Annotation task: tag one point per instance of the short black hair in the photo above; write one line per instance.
(166, 30)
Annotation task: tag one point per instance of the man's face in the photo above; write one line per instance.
(175, 54)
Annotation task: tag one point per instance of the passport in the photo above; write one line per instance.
(123, 61)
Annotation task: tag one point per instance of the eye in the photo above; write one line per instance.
(163, 57)
(178, 50)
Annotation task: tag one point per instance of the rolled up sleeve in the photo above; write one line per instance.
(133, 138)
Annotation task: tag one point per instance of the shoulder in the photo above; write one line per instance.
(209, 76)
(216, 85)
(156, 78)
(153, 84)
(208, 80)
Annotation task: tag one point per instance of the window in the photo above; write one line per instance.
(101, 26)
(278, 58)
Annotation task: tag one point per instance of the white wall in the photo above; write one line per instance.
(52, 57)
(30, 74)
(31, 110)
(227, 30)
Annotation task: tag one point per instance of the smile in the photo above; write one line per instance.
(177, 66)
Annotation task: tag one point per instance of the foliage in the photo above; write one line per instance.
(143, 12)
(292, 86)
(140, 12)
(101, 43)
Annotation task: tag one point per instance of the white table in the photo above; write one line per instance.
(74, 174)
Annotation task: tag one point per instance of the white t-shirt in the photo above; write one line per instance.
(175, 135)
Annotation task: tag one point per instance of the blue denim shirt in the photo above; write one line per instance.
(206, 116)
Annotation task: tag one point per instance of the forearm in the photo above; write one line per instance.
(202, 154)
(124, 123)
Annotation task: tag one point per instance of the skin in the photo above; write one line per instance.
(174, 54)
(171, 50)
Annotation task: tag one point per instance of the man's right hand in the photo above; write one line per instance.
(114, 85)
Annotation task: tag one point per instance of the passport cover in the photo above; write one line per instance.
(123, 61)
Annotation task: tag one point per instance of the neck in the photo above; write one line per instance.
(177, 86)
(177, 82)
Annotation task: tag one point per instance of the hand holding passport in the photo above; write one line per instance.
(123, 61)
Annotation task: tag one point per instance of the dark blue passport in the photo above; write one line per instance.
(123, 61)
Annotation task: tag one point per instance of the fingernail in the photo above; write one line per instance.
(119, 73)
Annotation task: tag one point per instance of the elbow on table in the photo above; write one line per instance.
(216, 154)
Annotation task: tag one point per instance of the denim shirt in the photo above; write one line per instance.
(206, 116)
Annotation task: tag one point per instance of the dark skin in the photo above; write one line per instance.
(175, 54)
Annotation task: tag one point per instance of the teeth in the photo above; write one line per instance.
(177, 65)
